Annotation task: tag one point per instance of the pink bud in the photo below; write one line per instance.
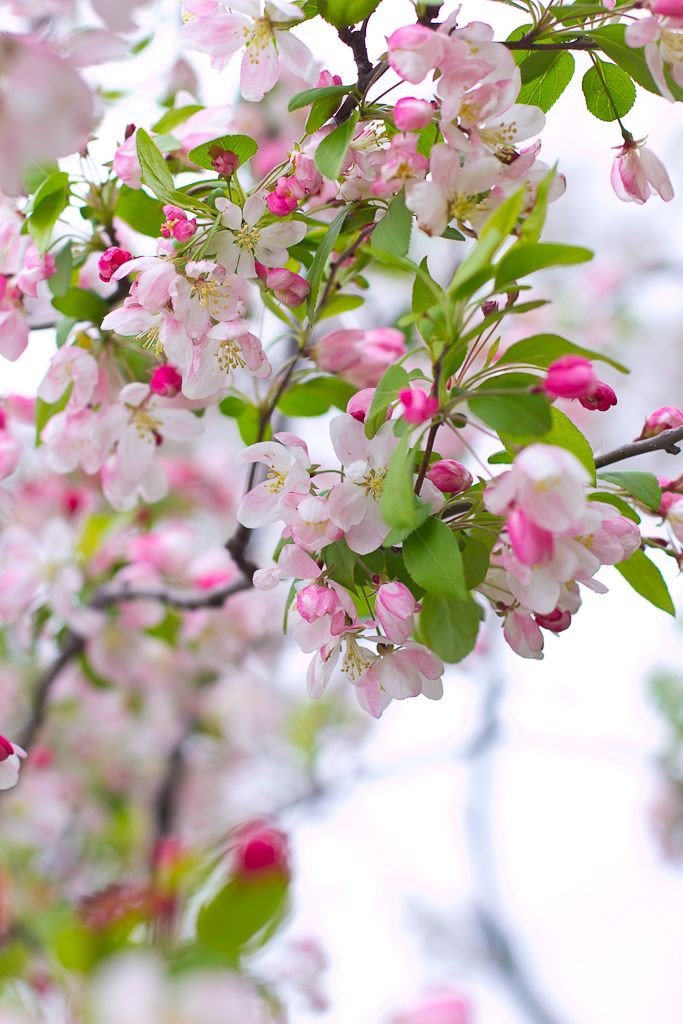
(411, 114)
(666, 418)
(570, 377)
(313, 602)
(395, 608)
(326, 78)
(556, 621)
(166, 381)
(667, 8)
(531, 543)
(6, 748)
(280, 205)
(449, 476)
(260, 848)
(359, 404)
(601, 398)
(361, 357)
(289, 288)
(418, 406)
(224, 161)
(177, 224)
(638, 174)
(110, 261)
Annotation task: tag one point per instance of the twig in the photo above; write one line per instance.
(71, 648)
(667, 441)
(368, 73)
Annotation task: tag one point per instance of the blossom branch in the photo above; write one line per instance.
(667, 441)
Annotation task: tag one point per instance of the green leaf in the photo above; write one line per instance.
(425, 289)
(563, 433)
(523, 413)
(82, 304)
(612, 40)
(341, 304)
(609, 99)
(392, 234)
(140, 211)
(476, 556)
(61, 279)
(155, 170)
(468, 277)
(341, 563)
(323, 252)
(450, 626)
(391, 382)
(315, 397)
(46, 410)
(527, 257)
(243, 146)
(242, 915)
(642, 486)
(329, 156)
(647, 580)
(434, 560)
(622, 506)
(313, 96)
(172, 118)
(543, 349)
(342, 13)
(533, 224)
(48, 203)
(545, 76)
(397, 503)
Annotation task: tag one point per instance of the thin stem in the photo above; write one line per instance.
(667, 441)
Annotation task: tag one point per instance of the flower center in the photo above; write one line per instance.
(462, 206)
(275, 480)
(373, 483)
(258, 38)
(356, 661)
(146, 426)
(229, 356)
(247, 237)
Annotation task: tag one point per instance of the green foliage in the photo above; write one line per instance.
(243, 146)
(397, 503)
(61, 279)
(48, 203)
(322, 255)
(82, 304)
(140, 211)
(243, 915)
(545, 76)
(248, 419)
(543, 349)
(392, 381)
(519, 412)
(155, 170)
(647, 580)
(315, 397)
(642, 486)
(46, 410)
(563, 434)
(329, 156)
(433, 559)
(609, 92)
(476, 268)
(312, 97)
(341, 563)
(172, 118)
(392, 234)
(450, 625)
(611, 39)
(616, 502)
(343, 13)
(527, 257)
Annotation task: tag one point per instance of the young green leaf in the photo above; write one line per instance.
(642, 486)
(563, 434)
(343, 13)
(391, 382)
(242, 915)
(393, 231)
(315, 397)
(243, 146)
(545, 76)
(82, 304)
(397, 504)
(140, 211)
(522, 413)
(449, 626)
(48, 203)
(527, 257)
(647, 580)
(543, 349)
(312, 96)
(609, 92)
(434, 560)
(155, 170)
(329, 156)
(475, 269)
(322, 254)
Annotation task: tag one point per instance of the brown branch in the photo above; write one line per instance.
(71, 648)
(368, 73)
(667, 441)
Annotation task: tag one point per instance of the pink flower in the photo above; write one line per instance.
(224, 161)
(110, 261)
(166, 381)
(177, 224)
(398, 674)
(556, 621)
(523, 634)
(414, 51)
(570, 377)
(70, 367)
(36, 268)
(290, 288)
(246, 241)
(361, 357)
(326, 79)
(208, 366)
(126, 164)
(10, 764)
(449, 476)
(309, 522)
(411, 114)
(638, 174)
(601, 398)
(359, 404)
(547, 483)
(287, 472)
(667, 418)
(531, 544)
(395, 609)
(457, 190)
(10, 453)
(440, 1008)
(260, 849)
(265, 36)
(418, 406)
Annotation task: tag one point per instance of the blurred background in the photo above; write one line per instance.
(520, 841)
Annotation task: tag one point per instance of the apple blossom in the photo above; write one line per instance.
(570, 377)
(411, 114)
(449, 476)
(260, 848)
(395, 607)
(667, 418)
(361, 357)
(418, 406)
(638, 174)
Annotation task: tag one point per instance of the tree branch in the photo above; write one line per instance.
(667, 441)
(71, 648)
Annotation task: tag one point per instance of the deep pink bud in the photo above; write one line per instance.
(570, 377)
(601, 398)
(411, 114)
(418, 406)
(281, 205)
(556, 621)
(177, 224)
(666, 418)
(166, 381)
(261, 270)
(110, 261)
(260, 848)
(359, 404)
(224, 161)
(531, 543)
(449, 476)
(326, 78)
(6, 748)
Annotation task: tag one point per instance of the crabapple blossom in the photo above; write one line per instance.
(666, 418)
(246, 241)
(361, 357)
(411, 114)
(10, 763)
(547, 483)
(395, 608)
(177, 224)
(449, 476)
(110, 261)
(260, 848)
(601, 398)
(638, 174)
(418, 406)
(287, 473)
(399, 673)
(70, 367)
